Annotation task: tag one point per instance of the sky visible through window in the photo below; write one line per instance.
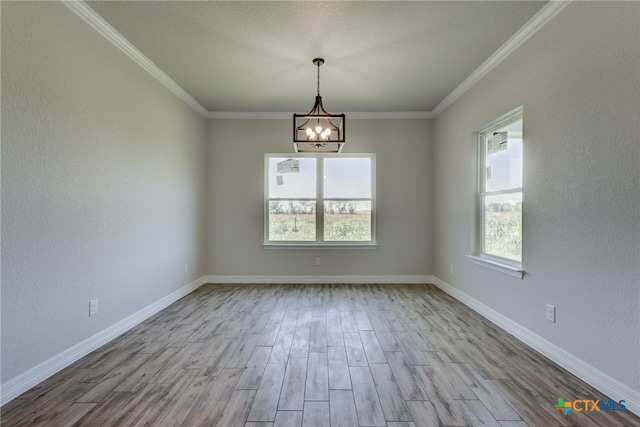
(293, 185)
(345, 178)
(503, 167)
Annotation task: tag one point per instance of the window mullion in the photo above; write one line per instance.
(347, 199)
(501, 192)
(320, 199)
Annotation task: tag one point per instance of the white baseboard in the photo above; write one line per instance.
(34, 376)
(606, 384)
(320, 279)
(587, 373)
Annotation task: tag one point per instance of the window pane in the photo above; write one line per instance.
(503, 163)
(347, 221)
(296, 179)
(292, 220)
(347, 177)
(502, 218)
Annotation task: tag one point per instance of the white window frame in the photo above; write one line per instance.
(319, 242)
(479, 257)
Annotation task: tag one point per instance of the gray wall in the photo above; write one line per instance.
(102, 185)
(579, 82)
(235, 197)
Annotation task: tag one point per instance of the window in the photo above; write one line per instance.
(337, 210)
(500, 192)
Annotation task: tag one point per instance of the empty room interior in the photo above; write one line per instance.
(459, 246)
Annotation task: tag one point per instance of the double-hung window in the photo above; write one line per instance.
(319, 200)
(499, 236)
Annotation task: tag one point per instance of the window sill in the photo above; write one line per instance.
(497, 266)
(319, 246)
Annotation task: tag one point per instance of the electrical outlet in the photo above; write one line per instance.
(93, 307)
(318, 260)
(186, 268)
(551, 313)
(450, 268)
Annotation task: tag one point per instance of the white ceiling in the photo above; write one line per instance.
(256, 56)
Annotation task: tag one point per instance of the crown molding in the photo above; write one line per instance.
(351, 115)
(248, 115)
(94, 20)
(544, 15)
(392, 115)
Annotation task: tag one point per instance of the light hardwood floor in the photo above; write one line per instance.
(314, 356)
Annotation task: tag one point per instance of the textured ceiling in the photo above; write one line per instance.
(383, 56)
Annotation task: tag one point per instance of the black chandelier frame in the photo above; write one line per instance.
(318, 116)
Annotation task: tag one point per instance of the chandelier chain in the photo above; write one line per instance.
(318, 78)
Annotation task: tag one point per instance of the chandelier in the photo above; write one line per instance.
(318, 131)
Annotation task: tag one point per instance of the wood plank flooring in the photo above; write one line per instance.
(311, 356)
